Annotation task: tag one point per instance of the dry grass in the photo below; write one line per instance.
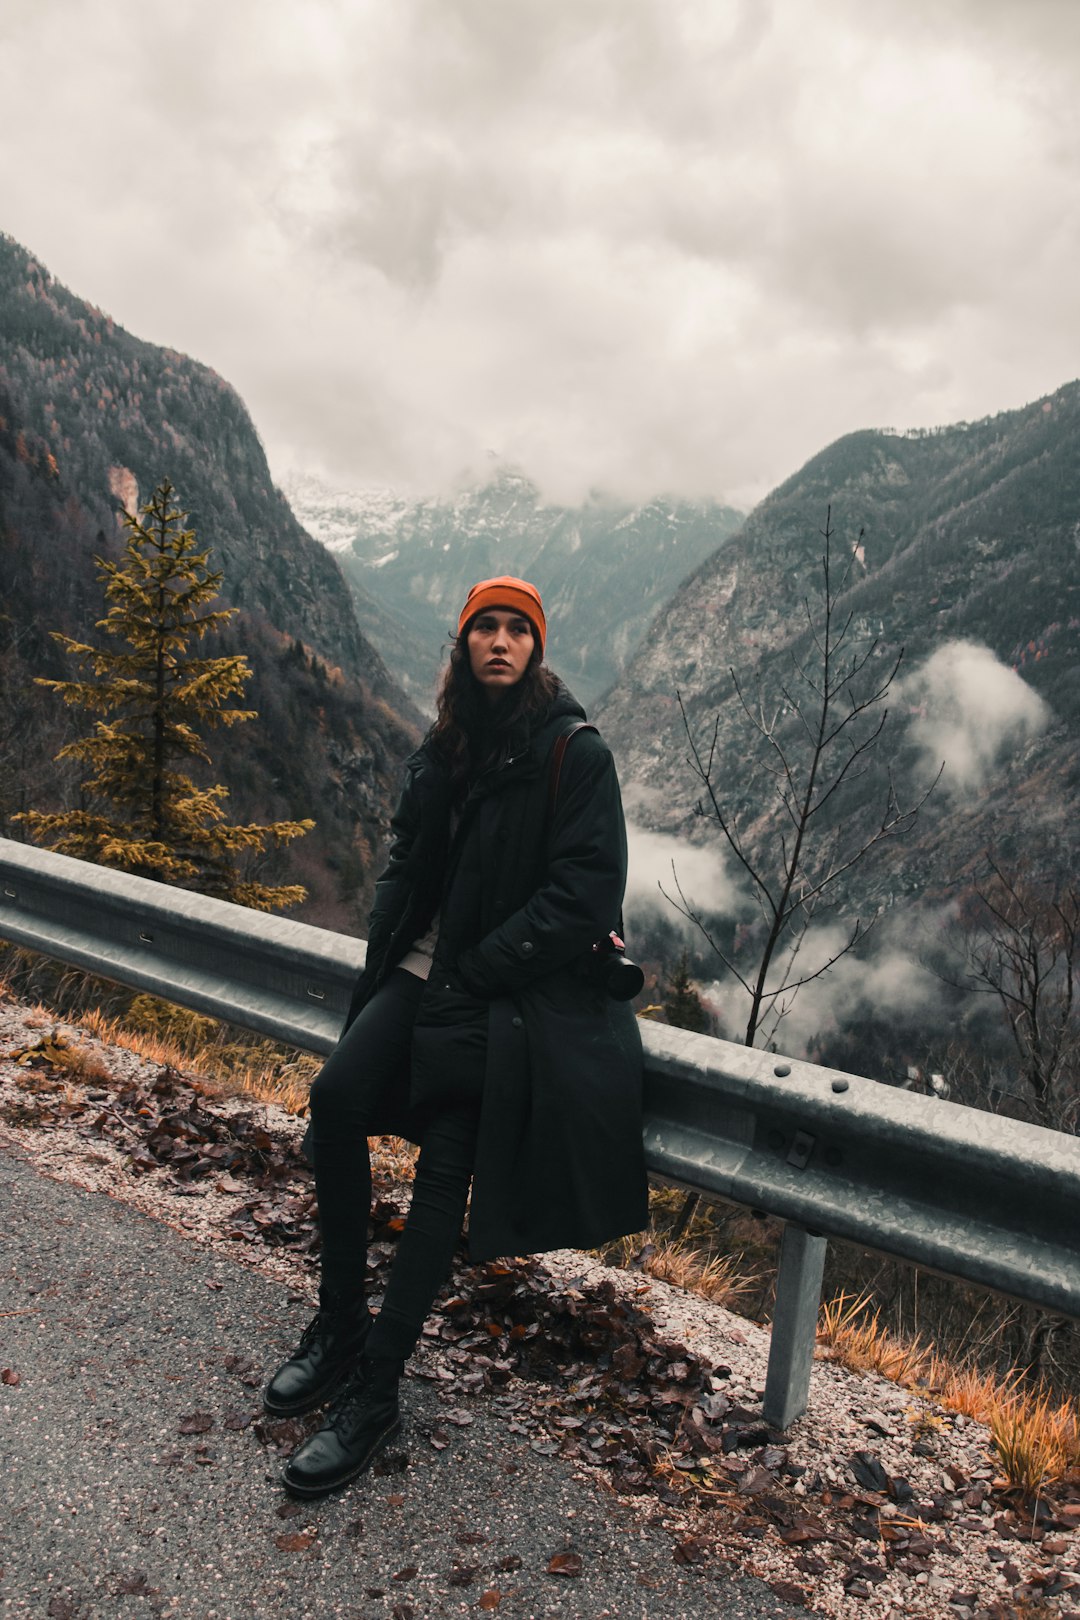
(714, 1277)
(263, 1070)
(392, 1158)
(1037, 1441)
(851, 1331)
(971, 1389)
(1036, 1438)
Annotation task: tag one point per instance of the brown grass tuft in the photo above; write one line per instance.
(851, 1331)
(713, 1277)
(1037, 1439)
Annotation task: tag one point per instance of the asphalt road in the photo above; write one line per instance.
(117, 1329)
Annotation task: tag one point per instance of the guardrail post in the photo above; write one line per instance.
(794, 1331)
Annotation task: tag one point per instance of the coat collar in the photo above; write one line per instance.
(526, 754)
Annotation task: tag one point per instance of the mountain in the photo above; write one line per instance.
(603, 569)
(91, 419)
(968, 560)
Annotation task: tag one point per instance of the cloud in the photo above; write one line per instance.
(969, 710)
(700, 869)
(672, 246)
(884, 978)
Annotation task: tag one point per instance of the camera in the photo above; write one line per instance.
(608, 967)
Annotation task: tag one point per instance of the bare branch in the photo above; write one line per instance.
(814, 743)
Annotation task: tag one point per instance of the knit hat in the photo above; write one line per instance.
(507, 592)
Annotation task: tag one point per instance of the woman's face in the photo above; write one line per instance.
(500, 646)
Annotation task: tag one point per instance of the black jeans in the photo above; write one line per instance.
(344, 1099)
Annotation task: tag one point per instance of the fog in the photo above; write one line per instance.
(969, 710)
(701, 872)
(884, 979)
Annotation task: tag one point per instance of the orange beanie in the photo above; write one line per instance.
(507, 592)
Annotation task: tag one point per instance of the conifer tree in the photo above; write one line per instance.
(153, 700)
(682, 1004)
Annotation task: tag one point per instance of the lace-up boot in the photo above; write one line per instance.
(326, 1355)
(363, 1419)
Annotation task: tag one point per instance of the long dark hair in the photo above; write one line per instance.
(470, 732)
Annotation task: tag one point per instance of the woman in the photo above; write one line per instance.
(475, 1028)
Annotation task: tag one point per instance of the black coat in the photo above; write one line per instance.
(559, 1160)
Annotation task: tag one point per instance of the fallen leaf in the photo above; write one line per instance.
(868, 1471)
(859, 1570)
(754, 1481)
(565, 1563)
(395, 1501)
(490, 1599)
(295, 1543)
(690, 1551)
(196, 1423)
(407, 1573)
(8, 1375)
(811, 1564)
(288, 1510)
(789, 1592)
(805, 1528)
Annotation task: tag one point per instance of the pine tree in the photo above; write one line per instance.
(682, 1004)
(153, 700)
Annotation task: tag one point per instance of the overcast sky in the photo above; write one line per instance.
(632, 245)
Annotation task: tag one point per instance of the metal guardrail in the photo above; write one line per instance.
(964, 1193)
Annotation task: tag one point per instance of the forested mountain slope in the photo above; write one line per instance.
(971, 541)
(91, 419)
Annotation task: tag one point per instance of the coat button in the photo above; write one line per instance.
(517, 1022)
(526, 947)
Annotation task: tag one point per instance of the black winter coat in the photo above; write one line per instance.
(522, 897)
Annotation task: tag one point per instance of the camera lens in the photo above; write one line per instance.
(622, 978)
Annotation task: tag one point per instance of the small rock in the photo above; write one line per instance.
(877, 1421)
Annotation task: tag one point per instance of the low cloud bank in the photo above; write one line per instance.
(701, 873)
(887, 981)
(969, 710)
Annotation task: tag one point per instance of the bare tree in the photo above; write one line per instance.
(1026, 952)
(813, 741)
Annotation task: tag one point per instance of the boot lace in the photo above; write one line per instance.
(352, 1405)
(318, 1325)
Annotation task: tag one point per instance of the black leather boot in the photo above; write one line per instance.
(363, 1419)
(326, 1355)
